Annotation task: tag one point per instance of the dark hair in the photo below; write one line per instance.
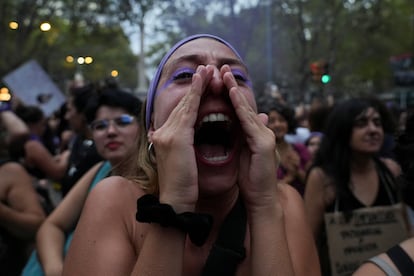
(334, 152)
(113, 97)
(29, 114)
(284, 110)
(317, 117)
(81, 95)
(404, 153)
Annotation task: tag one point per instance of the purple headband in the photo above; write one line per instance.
(152, 91)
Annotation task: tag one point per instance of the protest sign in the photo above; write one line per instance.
(33, 86)
(363, 234)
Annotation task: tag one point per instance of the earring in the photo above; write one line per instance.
(151, 152)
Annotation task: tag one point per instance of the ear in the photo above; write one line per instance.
(149, 134)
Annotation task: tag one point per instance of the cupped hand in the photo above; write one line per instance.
(174, 147)
(258, 162)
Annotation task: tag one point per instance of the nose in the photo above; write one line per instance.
(372, 127)
(216, 84)
(112, 128)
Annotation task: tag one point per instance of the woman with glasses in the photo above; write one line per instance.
(112, 115)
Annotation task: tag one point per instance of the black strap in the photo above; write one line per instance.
(401, 260)
(228, 250)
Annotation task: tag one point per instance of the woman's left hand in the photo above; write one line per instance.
(258, 161)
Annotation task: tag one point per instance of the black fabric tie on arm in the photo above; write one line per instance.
(196, 225)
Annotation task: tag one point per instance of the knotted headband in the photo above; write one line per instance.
(152, 91)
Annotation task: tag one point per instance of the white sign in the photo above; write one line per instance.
(33, 86)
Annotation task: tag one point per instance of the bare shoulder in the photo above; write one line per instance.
(13, 167)
(292, 202)
(392, 165)
(317, 176)
(115, 190)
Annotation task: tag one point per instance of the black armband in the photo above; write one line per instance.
(196, 225)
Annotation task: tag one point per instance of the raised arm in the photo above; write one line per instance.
(54, 167)
(15, 127)
(51, 236)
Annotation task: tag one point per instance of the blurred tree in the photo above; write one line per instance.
(79, 28)
(355, 37)
(278, 38)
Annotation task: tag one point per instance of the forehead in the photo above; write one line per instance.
(106, 110)
(367, 113)
(203, 51)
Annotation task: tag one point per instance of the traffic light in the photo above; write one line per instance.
(325, 79)
(320, 72)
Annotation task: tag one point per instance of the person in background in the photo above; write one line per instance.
(294, 158)
(113, 116)
(301, 132)
(20, 211)
(83, 154)
(398, 260)
(313, 142)
(12, 129)
(347, 173)
(205, 182)
(39, 161)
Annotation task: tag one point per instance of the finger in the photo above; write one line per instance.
(185, 113)
(248, 117)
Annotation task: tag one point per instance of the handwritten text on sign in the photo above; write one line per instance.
(363, 234)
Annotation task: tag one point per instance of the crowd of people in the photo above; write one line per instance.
(200, 179)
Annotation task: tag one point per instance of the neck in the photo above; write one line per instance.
(362, 162)
(218, 205)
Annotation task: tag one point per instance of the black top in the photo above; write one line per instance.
(82, 157)
(386, 195)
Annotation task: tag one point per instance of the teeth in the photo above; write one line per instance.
(216, 117)
(217, 158)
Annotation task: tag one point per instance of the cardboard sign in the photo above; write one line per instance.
(33, 86)
(368, 232)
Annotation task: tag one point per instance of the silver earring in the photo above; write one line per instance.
(151, 152)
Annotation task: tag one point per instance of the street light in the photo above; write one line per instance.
(45, 27)
(80, 60)
(4, 94)
(13, 25)
(114, 73)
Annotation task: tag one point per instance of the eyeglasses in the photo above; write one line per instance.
(121, 121)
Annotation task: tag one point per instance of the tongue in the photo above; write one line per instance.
(208, 150)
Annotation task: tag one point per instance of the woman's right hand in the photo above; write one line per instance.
(174, 147)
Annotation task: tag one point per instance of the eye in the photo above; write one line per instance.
(360, 123)
(183, 74)
(377, 122)
(99, 125)
(124, 120)
(240, 76)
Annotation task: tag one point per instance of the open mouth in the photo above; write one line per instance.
(215, 138)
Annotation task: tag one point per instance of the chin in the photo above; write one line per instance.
(217, 180)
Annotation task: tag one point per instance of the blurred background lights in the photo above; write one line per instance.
(88, 60)
(13, 25)
(4, 94)
(69, 59)
(45, 26)
(114, 73)
(81, 60)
